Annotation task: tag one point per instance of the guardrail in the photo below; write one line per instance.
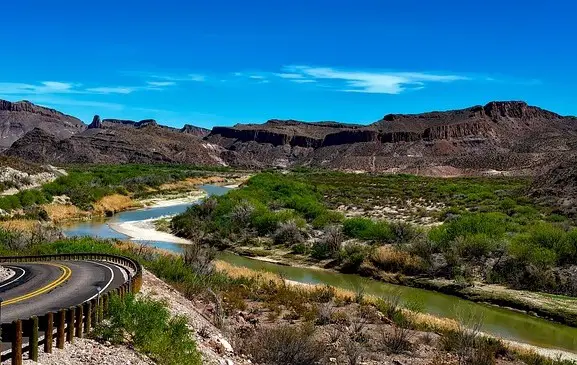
(70, 322)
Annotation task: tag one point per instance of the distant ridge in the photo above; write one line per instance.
(500, 137)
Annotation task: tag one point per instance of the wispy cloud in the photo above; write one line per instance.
(113, 90)
(174, 78)
(58, 87)
(161, 83)
(44, 87)
(375, 82)
(260, 78)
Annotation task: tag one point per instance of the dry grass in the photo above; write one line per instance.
(62, 212)
(19, 225)
(191, 182)
(391, 259)
(114, 203)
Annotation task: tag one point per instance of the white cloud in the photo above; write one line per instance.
(291, 76)
(161, 83)
(45, 87)
(303, 81)
(384, 82)
(257, 77)
(112, 90)
(185, 77)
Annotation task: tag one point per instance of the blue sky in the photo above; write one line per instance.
(223, 62)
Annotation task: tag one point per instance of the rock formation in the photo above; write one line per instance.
(16, 119)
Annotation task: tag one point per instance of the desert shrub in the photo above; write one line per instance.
(392, 259)
(398, 341)
(493, 225)
(199, 258)
(151, 329)
(284, 345)
(403, 232)
(300, 249)
(242, 213)
(476, 246)
(329, 244)
(367, 229)
(288, 234)
(569, 255)
(526, 251)
(327, 218)
(355, 227)
(472, 347)
(351, 256)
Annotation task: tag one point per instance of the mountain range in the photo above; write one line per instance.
(500, 137)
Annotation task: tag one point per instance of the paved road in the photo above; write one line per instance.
(41, 287)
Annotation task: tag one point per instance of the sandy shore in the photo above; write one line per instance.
(145, 231)
(167, 201)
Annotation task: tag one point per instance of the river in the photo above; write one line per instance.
(505, 323)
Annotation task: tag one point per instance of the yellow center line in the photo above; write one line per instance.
(66, 273)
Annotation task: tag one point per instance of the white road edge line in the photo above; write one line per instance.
(14, 280)
(107, 285)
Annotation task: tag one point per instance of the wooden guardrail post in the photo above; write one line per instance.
(70, 325)
(48, 334)
(79, 318)
(88, 317)
(94, 313)
(17, 342)
(60, 329)
(33, 341)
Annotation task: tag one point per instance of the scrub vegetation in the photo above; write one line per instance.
(84, 186)
(462, 229)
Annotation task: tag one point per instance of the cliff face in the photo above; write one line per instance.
(16, 119)
(117, 141)
(503, 129)
(145, 144)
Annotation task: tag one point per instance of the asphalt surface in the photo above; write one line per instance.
(38, 288)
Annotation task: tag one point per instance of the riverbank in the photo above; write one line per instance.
(187, 191)
(420, 320)
(556, 308)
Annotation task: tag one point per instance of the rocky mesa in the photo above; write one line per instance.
(496, 136)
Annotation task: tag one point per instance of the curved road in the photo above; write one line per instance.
(38, 288)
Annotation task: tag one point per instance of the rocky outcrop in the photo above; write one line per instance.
(509, 134)
(16, 119)
(557, 185)
(194, 130)
(96, 123)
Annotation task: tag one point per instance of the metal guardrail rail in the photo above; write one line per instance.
(67, 323)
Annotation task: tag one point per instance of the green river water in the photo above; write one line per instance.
(505, 323)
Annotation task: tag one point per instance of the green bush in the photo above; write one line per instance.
(150, 327)
(352, 256)
(544, 245)
(327, 218)
(525, 250)
(476, 246)
(492, 225)
(355, 227)
(367, 229)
